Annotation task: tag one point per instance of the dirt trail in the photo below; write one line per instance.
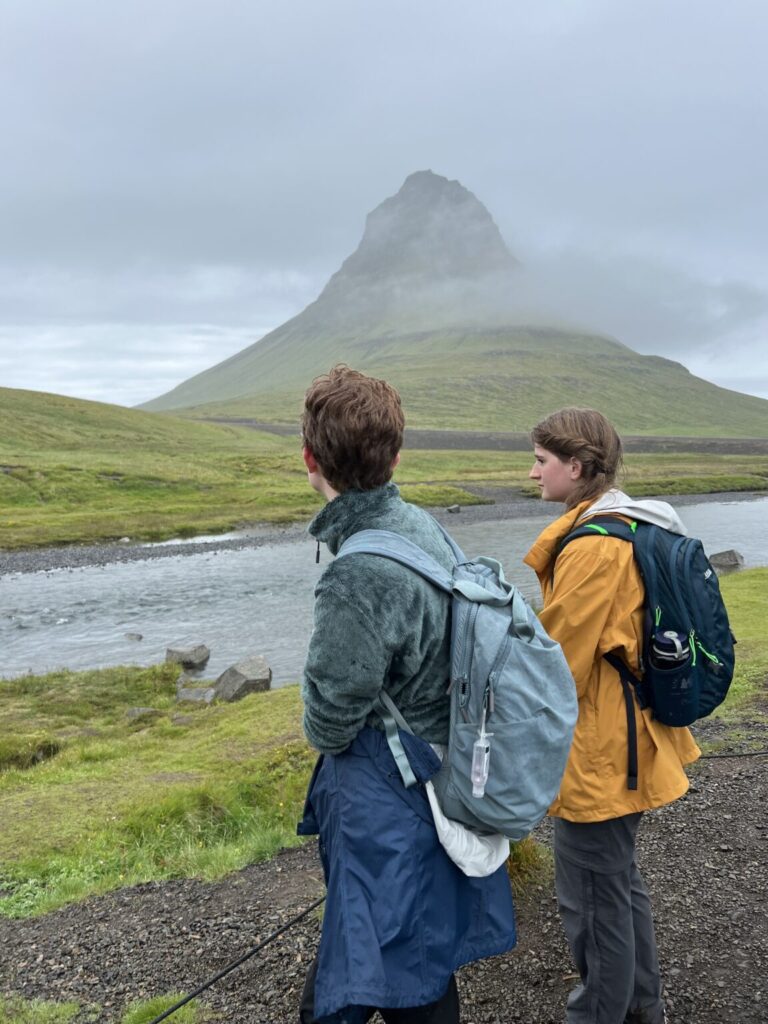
(703, 857)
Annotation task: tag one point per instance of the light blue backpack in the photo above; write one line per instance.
(513, 699)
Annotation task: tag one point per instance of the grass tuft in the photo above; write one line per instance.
(528, 863)
(145, 1010)
(15, 1010)
(24, 752)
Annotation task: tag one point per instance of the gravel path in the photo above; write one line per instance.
(703, 857)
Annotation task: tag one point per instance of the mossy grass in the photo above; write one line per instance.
(15, 1010)
(145, 1010)
(746, 598)
(198, 792)
(529, 863)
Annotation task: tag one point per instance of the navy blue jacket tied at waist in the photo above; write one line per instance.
(400, 916)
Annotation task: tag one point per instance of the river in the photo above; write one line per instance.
(255, 600)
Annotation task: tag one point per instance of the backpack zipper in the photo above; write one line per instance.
(465, 665)
(673, 557)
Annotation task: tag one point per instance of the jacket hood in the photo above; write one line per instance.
(659, 513)
(544, 550)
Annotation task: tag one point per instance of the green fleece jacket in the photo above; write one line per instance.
(377, 625)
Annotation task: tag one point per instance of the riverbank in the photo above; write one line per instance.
(127, 813)
(500, 503)
(177, 481)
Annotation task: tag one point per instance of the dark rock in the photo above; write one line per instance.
(729, 559)
(252, 675)
(195, 694)
(191, 656)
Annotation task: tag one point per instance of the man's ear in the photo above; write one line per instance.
(309, 459)
(396, 463)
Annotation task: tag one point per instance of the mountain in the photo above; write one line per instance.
(428, 301)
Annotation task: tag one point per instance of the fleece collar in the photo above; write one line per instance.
(350, 512)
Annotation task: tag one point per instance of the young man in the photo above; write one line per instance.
(400, 917)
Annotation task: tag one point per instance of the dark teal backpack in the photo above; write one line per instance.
(688, 656)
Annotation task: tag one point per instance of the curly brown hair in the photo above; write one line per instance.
(353, 426)
(586, 435)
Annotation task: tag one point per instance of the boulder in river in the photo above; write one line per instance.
(190, 656)
(729, 559)
(252, 675)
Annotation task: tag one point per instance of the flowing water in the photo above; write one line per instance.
(253, 600)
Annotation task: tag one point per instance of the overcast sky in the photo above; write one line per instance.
(178, 177)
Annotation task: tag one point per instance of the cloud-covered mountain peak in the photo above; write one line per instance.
(431, 232)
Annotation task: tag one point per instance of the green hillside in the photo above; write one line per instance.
(73, 471)
(476, 379)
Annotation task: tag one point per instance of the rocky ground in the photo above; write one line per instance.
(704, 859)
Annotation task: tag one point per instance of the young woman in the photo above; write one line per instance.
(593, 605)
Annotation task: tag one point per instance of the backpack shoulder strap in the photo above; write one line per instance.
(399, 549)
(604, 526)
(393, 545)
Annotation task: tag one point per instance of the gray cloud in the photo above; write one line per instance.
(175, 163)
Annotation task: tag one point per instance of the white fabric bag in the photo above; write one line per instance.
(475, 855)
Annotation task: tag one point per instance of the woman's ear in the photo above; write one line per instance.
(396, 462)
(576, 468)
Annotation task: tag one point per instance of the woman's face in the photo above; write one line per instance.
(557, 478)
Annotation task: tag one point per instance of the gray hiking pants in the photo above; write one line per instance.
(606, 915)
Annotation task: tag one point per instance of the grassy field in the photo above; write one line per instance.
(82, 472)
(39, 1011)
(93, 800)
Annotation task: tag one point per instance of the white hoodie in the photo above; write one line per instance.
(646, 510)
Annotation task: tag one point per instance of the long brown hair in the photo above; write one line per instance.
(586, 435)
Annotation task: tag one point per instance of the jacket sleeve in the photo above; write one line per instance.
(346, 666)
(580, 604)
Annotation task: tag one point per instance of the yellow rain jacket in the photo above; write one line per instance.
(593, 604)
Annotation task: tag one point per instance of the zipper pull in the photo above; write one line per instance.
(317, 554)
